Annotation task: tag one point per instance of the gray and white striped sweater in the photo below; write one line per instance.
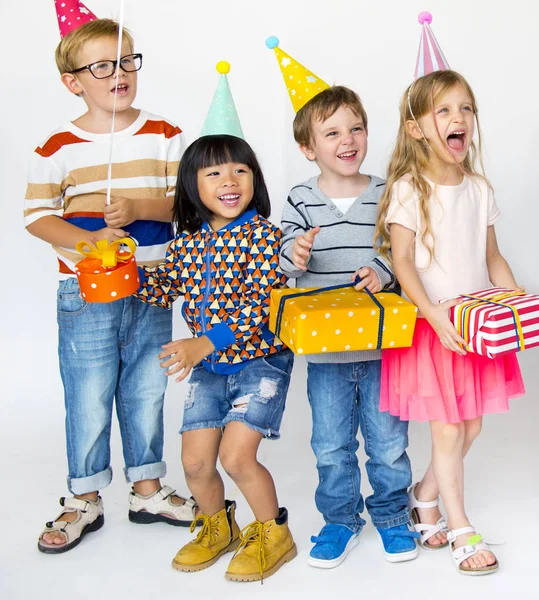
(343, 245)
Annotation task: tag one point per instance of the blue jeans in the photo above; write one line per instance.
(344, 396)
(254, 396)
(107, 351)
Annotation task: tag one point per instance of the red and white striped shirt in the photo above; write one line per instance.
(68, 179)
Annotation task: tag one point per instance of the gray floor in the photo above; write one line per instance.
(124, 560)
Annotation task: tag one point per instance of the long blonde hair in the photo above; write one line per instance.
(411, 156)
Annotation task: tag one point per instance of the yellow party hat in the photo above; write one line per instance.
(302, 84)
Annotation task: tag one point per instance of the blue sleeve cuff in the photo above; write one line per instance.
(221, 336)
(142, 276)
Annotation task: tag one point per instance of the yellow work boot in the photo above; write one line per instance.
(264, 549)
(219, 534)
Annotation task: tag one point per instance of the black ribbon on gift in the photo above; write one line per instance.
(330, 288)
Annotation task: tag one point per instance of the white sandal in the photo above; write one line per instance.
(459, 555)
(158, 507)
(89, 518)
(427, 530)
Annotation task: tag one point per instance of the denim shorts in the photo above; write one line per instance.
(256, 395)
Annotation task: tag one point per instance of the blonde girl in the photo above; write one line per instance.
(437, 215)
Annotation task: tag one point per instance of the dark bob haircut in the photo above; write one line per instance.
(189, 213)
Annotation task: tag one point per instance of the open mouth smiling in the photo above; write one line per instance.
(348, 156)
(229, 199)
(456, 140)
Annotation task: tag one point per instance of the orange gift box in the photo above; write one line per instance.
(107, 273)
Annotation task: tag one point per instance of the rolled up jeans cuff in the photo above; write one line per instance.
(93, 483)
(399, 520)
(145, 472)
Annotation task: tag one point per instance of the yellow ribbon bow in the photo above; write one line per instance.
(108, 253)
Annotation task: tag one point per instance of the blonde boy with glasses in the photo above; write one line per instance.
(107, 351)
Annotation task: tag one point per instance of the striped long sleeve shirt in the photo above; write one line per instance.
(68, 179)
(343, 245)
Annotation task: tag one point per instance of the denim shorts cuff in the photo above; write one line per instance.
(400, 520)
(145, 472)
(93, 483)
(202, 425)
(269, 434)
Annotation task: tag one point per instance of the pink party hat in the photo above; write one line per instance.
(71, 15)
(430, 56)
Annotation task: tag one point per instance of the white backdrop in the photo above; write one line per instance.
(370, 47)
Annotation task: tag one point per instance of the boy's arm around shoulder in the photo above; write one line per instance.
(163, 284)
(294, 223)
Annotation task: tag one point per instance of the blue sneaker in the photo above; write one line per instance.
(332, 545)
(399, 543)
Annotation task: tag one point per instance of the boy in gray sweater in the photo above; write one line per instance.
(328, 224)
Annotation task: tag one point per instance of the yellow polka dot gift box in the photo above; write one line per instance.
(339, 319)
(108, 272)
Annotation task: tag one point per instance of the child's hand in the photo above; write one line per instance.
(369, 279)
(184, 355)
(120, 212)
(301, 248)
(109, 234)
(438, 317)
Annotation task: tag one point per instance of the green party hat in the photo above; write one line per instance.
(222, 116)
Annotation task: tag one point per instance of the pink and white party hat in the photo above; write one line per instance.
(430, 56)
(71, 15)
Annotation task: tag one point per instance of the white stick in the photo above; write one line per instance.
(118, 56)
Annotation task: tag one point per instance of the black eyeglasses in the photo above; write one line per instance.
(107, 68)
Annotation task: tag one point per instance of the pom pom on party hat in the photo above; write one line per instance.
(71, 15)
(222, 116)
(430, 56)
(302, 84)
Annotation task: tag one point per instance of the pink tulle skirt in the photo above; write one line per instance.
(427, 382)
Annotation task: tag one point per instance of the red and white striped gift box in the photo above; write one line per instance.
(497, 321)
